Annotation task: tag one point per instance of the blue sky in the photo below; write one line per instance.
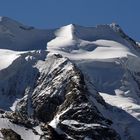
(55, 13)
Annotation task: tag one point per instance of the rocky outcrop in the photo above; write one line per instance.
(9, 134)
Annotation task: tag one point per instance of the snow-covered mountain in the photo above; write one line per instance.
(16, 36)
(74, 83)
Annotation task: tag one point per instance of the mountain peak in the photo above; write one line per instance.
(116, 27)
(66, 31)
(4, 18)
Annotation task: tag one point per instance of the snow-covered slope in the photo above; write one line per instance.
(16, 36)
(69, 83)
(7, 57)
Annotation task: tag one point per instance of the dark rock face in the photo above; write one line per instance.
(50, 134)
(78, 118)
(9, 134)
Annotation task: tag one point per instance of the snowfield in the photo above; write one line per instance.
(67, 43)
(7, 57)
